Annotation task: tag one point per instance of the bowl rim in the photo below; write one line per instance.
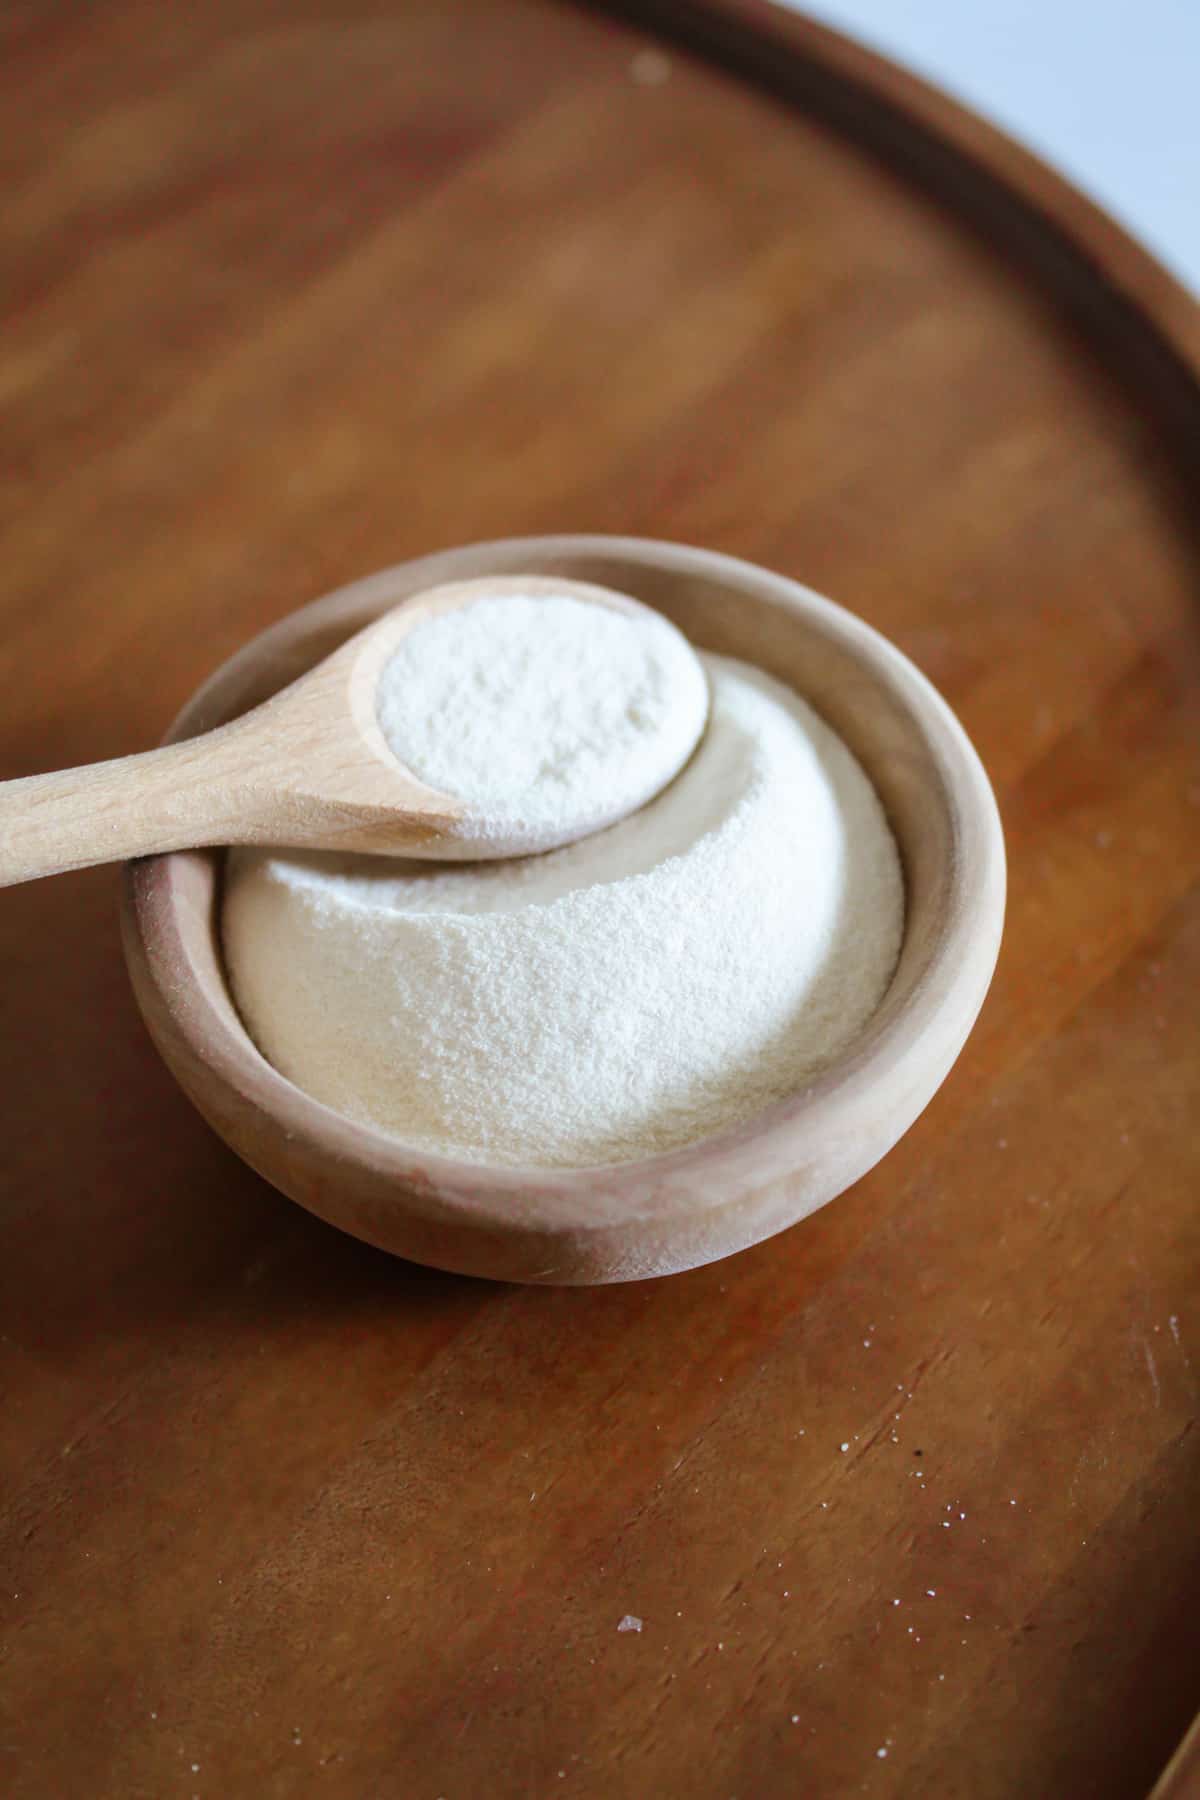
(889, 1049)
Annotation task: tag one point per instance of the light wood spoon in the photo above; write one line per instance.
(308, 769)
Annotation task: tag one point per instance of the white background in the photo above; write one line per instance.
(1107, 90)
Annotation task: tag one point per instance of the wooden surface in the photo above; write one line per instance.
(295, 292)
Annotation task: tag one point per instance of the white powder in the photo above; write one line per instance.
(625, 995)
(548, 713)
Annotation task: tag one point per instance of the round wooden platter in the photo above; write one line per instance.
(902, 1502)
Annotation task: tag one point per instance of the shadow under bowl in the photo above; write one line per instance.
(621, 1221)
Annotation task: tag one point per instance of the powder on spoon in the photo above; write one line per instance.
(628, 994)
(549, 713)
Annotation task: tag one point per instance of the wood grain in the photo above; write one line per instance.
(300, 291)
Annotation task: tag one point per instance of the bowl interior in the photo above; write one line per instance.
(880, 705)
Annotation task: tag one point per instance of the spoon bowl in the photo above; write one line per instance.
(310, 768)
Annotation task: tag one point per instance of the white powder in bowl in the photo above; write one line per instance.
(625, 995)
(550, 714)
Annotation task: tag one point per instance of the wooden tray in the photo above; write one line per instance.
(903, 1502)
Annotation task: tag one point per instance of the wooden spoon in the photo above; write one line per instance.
(308, 769)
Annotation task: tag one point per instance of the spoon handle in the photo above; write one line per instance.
(183, 795)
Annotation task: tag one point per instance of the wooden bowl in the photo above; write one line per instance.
(669, 1212)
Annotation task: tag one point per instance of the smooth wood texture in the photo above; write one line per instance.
(309, 768)
(300, 291)
(665, 1213)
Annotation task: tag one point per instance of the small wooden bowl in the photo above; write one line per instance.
(670, 1212)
